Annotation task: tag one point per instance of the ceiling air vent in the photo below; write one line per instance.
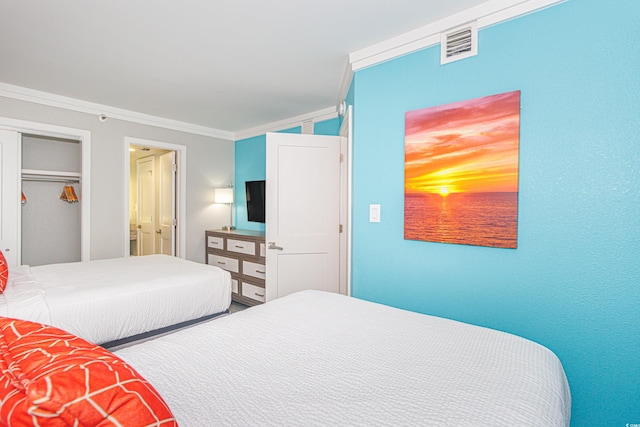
(459, 43)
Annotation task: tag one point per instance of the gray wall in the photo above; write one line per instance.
(209, 164)
(50, 226)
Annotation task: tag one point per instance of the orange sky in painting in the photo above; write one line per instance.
(468, 146)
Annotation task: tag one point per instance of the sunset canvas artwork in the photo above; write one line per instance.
(461, 172)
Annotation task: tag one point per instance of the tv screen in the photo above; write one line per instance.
(255, 200)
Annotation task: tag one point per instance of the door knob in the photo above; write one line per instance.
(159, 231)
(272, 245)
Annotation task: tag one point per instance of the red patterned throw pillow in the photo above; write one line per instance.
(53, 378)
(4, 272)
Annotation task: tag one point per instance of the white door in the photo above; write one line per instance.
(302, 213)
(146, 206)
(167, 204)
(9, 198)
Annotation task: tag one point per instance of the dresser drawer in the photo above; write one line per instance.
(253, 269)
(252, 291)
(229, 264)
(234, 286)
(241, 247)
(214, 242)
(263, 250)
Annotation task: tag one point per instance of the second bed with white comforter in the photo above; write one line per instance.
(108, 300)
(315, 358)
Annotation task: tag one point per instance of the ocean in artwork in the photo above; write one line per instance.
(479, 219)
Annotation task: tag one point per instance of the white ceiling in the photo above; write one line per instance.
(227, 65)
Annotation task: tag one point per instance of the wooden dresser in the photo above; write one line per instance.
(242, 253)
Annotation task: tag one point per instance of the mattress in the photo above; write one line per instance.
(107, 300)
(315, 358)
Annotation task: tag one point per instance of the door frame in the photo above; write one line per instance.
(84, 137)
(346, 187)
(181, 190)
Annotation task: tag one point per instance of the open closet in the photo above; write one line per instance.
(51, 184)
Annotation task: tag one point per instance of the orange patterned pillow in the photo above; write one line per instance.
(4, 273)
(53, 378)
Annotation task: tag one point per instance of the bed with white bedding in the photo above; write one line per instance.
(108, 300)
(315, 358)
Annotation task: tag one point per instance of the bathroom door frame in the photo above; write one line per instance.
(180, 192)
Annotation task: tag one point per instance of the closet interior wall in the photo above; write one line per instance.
(50, 227)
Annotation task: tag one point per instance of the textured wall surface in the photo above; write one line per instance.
(573, 283)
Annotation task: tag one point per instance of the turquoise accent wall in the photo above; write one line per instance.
(250, 165)
(573, 283)
(327, 127)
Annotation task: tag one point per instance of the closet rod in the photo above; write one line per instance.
(50, 179)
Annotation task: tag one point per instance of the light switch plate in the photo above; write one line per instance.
(374, 213)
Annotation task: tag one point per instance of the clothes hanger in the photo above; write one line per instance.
(69, 194)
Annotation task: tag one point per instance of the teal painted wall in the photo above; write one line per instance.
(573, 283)
(250, 165)
(327, 127)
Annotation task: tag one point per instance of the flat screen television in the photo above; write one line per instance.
(255, 200)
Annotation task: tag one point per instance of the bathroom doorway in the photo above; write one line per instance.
(153, 198)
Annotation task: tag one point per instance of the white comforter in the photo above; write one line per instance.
(111, 299)
(314, 358)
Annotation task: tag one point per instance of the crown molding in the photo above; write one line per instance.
(316, 116)
(52, 100)
(347, 78)
(486, 14)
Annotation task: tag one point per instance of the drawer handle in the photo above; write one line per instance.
(239, 246)
(258, 295)
(222, 263)
(261, 272)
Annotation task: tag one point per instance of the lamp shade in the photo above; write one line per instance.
(223, 195)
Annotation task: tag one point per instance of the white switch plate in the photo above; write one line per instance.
(374, 213)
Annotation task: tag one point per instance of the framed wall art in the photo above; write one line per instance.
(461, 172)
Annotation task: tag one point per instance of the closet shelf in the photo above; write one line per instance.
(45, 175)
(49, 173)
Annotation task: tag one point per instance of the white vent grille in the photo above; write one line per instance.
(459, 43)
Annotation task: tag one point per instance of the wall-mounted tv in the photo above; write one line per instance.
(255, 200)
